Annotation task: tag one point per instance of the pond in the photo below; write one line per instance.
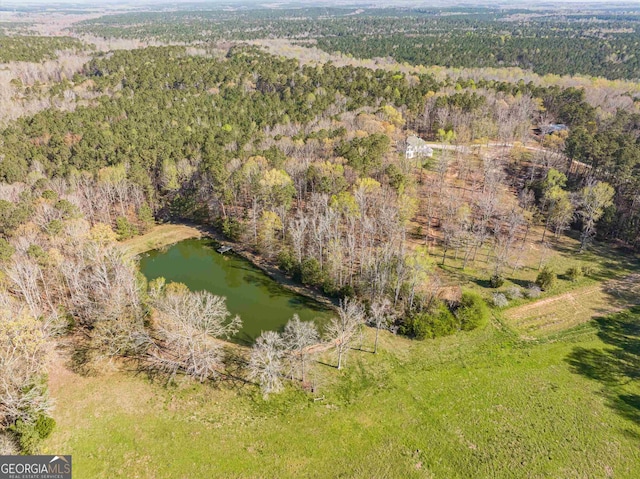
(261, 302)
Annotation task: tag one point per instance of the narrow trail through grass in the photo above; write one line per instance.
(564, 311)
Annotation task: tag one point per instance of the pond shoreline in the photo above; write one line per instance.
(167, 234)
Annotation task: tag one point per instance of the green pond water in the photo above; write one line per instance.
(262, 303)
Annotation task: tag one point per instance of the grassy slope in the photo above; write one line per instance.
(561, 312)
(479, 404)
(160, 236)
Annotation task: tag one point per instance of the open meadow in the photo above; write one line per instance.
(478, 404)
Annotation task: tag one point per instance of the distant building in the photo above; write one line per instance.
(550, 129)
(417, 147)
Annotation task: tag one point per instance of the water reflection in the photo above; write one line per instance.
(261, 302)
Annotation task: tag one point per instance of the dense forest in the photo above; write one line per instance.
(34, 48)
(592, 42)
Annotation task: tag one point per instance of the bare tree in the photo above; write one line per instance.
(342, 329)
(297, 232)
(594, 198)
(505, 235)
(265, 363)
(23, 347)
(298, 336)
(380, 317)
(189, 324)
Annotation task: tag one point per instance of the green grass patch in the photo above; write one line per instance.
(478, 404)
(605, 261)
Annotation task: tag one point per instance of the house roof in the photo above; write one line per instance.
(556, 127)
(415, 141)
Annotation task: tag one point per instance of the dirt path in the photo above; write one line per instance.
(564, 311)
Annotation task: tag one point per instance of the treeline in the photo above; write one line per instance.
(163, 107)
(611, 149)
(573, 54)
(565, 43)
(62, 273)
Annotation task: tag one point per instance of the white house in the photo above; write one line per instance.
(417, 147)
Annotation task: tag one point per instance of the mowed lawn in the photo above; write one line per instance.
(476, 405)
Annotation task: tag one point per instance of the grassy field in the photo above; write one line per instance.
(609, 264)
(159, 236)
(564, 311)
(476, 405)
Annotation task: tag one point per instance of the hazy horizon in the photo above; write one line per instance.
(294, 3)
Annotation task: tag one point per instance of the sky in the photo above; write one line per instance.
(213, 3)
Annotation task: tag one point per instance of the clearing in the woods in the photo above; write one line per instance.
(161, 236)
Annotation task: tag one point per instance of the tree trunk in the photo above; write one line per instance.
(375, 344)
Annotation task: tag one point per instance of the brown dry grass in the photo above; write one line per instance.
(160, 236)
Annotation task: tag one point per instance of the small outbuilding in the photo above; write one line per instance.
(550, 129)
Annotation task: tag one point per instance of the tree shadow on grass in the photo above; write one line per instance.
(80, 361)
(523, 283)
(628, 405)
(484, 283)
(617, 365)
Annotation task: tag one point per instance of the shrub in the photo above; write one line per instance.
(28, 438)
(496, 281)
(287, 262)
(546, 279)
(54, 227)
(575, 273)
(533, 291)
(232, 229)
(500, 300)
(146, 218)
(589, 270)
(44, 426)
(36, 253)
(310, 272)
(347, 291)
(331, 289)
(31, 434)
(397, 179)
(416, 327)
(513, 292)
(49, 195)
(125, 229)
(443, 322)
(8, 446)
(6, 250)
(437, 322)
(472, 311)
(68, 209)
